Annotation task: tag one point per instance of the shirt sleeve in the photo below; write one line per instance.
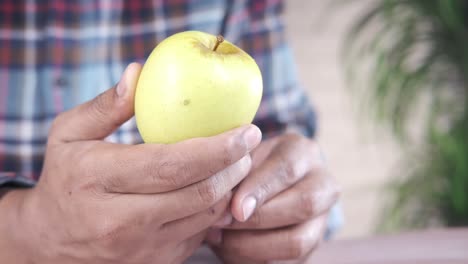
(14, 180)
(285, 105)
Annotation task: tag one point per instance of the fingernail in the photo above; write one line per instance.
(248, 207)
(252, 137)
(224, 221)
(214, 236)
(127, 80)
(122, 85)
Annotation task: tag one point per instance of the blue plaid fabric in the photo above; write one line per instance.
(56, 54)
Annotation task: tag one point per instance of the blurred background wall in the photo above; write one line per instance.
(360, 155)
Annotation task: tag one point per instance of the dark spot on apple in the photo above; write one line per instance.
(186, 102)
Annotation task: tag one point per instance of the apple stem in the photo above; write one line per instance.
(219, 40)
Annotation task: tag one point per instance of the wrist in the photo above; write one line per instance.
(13, 240)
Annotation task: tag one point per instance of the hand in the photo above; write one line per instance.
(281, 207)
(99, 202)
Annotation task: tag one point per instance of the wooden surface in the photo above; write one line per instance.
(429, 247)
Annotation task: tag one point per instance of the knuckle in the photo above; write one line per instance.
(307, 205)
(164, 171)
(111, 182)
(155, 165)
(235, 172)
(330, 189)
(99, 180)
(98, 106)
(227, 148)
(183, 170)
(263, 191)
(98, 110)
(207, 192)
(244, 164)
(256, 220)
(286, 171)
(297, 246)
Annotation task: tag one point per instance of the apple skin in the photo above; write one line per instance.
(187, 90)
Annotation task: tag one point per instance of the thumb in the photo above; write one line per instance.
(98, 118)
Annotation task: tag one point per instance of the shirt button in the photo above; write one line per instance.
(61, 82)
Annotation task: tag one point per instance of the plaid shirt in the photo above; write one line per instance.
(56, 54)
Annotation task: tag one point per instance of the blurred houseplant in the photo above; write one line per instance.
(418, 49)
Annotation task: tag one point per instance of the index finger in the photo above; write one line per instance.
(151, 168)
(287, 164)
(311, 197)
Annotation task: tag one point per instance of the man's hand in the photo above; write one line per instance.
(281, 207)
(99, 202)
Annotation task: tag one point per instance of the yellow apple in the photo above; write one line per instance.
(195, 84)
